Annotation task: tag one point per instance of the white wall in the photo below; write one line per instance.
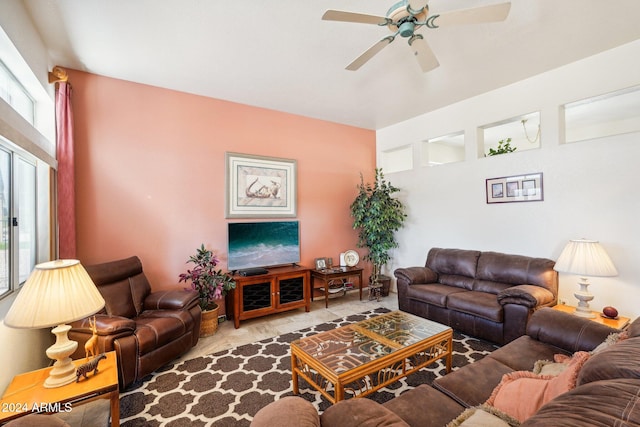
(589, 187)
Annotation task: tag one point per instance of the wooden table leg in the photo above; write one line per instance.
(450, 353)
(115, 408)
(294, 373)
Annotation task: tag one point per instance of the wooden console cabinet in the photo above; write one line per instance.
(281, 289)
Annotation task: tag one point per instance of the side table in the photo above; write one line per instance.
(328, 274)
(618, 323)
(26, 393)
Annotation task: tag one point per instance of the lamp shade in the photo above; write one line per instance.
(586, 258)
(57, 292)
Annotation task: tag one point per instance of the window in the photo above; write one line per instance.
(16, 95)
(443, 149)
(611, 114)
(518, 133)
(18, 221)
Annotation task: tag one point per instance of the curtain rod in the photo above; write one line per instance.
(58, 74)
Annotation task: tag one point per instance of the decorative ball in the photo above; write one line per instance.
(610, 312)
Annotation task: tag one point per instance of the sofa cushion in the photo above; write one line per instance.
(290, 411)
(522, 353)
(433, 293)
(484, 374)
(438, 407)
(600, 403)
(118, 299)
(480, 304)
(453, 261)
(360, 413)
(156, 329)
(517, 270)
(621, 360)
(521, 393)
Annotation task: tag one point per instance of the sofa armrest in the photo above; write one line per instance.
(412, 275)
(289, 411)
(105, 325)
(528, 295)
(171, 300)
(566, 331)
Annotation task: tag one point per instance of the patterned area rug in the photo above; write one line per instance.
(227, 388)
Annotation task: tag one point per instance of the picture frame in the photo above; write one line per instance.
(515, 188)
(321, 263)
(260, 186)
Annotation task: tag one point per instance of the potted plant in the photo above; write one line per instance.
(504, 146)
(377, 215)
(211, 285)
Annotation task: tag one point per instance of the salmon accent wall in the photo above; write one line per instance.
(150, 173)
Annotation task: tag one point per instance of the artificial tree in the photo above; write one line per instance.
(377, 215)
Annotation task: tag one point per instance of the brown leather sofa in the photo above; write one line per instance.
(146, 329)
(488, 295)
(607, 391)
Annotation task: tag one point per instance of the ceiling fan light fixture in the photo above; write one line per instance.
(406, 29)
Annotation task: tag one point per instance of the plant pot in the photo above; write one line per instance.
(385, 282)
(209, 322)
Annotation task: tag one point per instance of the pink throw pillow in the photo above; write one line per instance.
(521, 393)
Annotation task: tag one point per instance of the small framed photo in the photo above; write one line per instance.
(516, 188)
(321, 263)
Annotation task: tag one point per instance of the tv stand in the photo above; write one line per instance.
(280, 289)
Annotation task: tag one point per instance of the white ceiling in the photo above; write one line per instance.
(280, 55)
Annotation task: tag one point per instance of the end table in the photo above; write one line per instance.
(618, 323)
(327, 275)
(26, 393)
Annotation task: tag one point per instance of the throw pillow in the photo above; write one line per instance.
(547, 367)
(612, 339)
(483, 416)
(521, 393)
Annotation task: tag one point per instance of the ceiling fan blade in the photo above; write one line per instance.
(359, 18)
(492, 13)
(417, 5)
(423, 53)
(369, 53)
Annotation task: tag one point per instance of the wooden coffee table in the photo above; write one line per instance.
(358, 359)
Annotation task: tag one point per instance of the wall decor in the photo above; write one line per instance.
(260, 187)
(516, 188)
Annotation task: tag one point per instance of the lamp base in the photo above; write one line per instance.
(583, 296)
(63, 371)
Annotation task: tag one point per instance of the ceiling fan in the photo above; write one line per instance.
(405, 17)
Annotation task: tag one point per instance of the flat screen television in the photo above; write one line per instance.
(263, 244)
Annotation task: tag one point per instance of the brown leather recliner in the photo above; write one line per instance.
(146, 329)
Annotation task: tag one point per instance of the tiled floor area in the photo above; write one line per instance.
(96, 414)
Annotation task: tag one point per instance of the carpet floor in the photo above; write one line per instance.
(228, 388)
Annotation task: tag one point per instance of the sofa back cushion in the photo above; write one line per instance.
(123, 286)
(511, 270)
(620, 360)
(455, 267)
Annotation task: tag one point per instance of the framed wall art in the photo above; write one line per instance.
(517, 188)
(260, 187)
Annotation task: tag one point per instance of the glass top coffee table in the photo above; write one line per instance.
(358, 359)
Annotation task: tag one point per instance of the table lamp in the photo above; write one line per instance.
(57, 292)
(585, 258)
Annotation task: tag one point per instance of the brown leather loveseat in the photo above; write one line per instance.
(488, 295)
(146, 329)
